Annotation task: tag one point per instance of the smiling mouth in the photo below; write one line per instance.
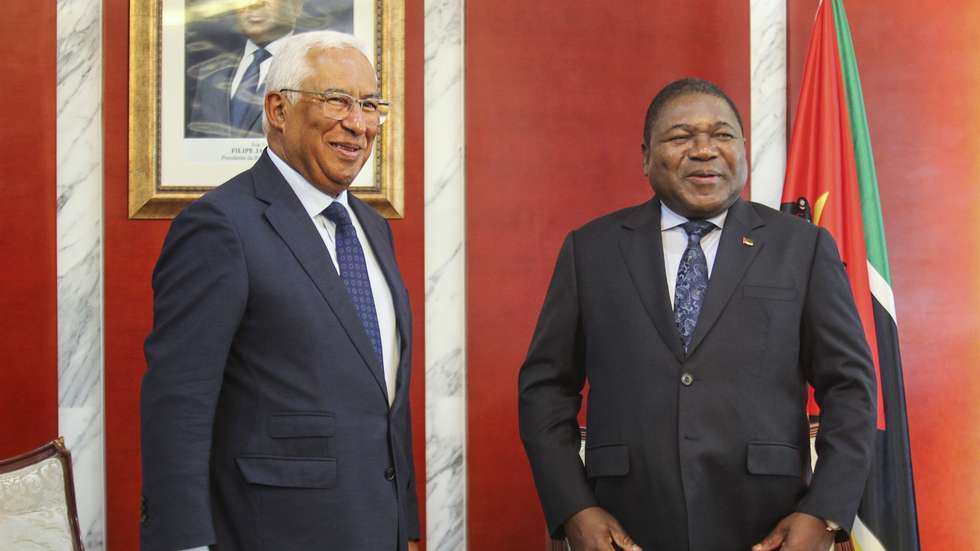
(347, 150)
(704, 176)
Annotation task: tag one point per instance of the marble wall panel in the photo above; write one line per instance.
(445, 270)
(768, 85)
(79, 231)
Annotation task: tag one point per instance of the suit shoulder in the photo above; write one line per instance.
(610, 221)
(232, 193)
(784, 222)
(231, 200)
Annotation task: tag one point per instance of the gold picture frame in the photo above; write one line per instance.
(150, 197)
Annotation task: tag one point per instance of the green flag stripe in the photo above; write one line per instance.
(874, 229)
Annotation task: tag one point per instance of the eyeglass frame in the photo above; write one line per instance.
(382, 117)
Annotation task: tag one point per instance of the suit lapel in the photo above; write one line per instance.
(731, 261)
(642, 249)
(290, 220)
(377, 235)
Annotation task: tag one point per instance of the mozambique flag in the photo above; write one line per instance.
(831, 181)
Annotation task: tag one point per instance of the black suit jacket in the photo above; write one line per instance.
(210, 112)
(711, 460)
(265, 417)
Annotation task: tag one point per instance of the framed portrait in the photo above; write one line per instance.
(196, 71)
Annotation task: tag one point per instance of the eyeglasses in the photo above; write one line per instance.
(338, 106)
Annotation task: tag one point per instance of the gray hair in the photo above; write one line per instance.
(290, 66)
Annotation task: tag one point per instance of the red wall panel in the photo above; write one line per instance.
(555, 99)
(800, 15)
(919, 70)
(132, 246)
(28, 171)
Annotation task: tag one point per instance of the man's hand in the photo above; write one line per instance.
(413, 546)
(593, 529)
(797, 532)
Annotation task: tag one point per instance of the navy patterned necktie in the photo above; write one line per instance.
(353, 270)
(692, 280)
(247, 93)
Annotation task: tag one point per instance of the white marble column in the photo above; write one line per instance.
(445, 277)
(768, 59)
(79, 229)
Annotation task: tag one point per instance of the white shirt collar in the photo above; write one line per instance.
(313, 199)
(670, 219)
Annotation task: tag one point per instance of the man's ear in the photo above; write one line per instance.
(275, 110)
(645, 150)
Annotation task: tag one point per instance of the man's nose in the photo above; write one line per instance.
(354, 121)
(702, 147)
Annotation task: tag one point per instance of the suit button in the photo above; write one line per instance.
(390, 473)
(687, 379)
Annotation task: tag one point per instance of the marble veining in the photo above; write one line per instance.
(768, 86)
(79, 243)
(445, 293)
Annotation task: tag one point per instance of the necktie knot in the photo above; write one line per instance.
(260, 55)
(696, 229)
(338, 214)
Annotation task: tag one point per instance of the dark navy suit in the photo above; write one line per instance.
(265, 416)
(708, 450)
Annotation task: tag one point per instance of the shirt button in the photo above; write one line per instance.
(390, 473)
(687, 379)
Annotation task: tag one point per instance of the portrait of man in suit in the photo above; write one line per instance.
(229, 53)
(698, 321)
(275, 408)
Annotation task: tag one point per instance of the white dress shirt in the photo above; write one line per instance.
(246, 60)
(675, 243)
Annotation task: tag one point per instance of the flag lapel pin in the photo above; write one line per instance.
(747, 241)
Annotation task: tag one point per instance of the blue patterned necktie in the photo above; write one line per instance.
(353, 270)
(247, 93)
(692, 280)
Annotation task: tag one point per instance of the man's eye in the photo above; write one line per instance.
(338, 101)
(723, 136)
(679, 139)
(369, 105)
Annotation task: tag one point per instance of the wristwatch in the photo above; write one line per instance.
(840, 535)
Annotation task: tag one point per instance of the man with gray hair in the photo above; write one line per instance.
(275, 409)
